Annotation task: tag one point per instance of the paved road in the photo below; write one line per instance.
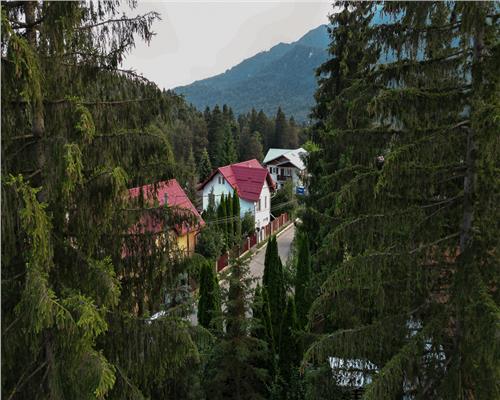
(284, 247)
(257, 262)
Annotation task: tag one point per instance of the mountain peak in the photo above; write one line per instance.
(284, 75)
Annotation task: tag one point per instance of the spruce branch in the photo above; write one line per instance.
(152, 15)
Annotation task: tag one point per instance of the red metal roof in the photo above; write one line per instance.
(176, 197)
(246, 177)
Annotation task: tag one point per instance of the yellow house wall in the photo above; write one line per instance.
(186, 243)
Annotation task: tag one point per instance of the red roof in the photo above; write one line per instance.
(246, 177)
(176, 197)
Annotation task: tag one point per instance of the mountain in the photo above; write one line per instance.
(283, 76)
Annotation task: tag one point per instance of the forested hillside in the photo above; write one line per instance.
(281, 77)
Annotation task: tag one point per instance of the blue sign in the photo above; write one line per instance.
(300, 190)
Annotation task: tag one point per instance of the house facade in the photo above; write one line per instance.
(171, 194)
(287, 165)
(254, 186)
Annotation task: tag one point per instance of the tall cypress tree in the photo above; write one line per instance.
(237, 218)
(303, 281)
(209, 307)
(413, 293)
(274, 287)
(288, 354)
(229, 224)
(222, 218)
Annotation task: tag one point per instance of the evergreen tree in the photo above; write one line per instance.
(204, 166)
(76, 133)
(217, 135)
(413, 294)
(288, 354)
(293, 134)
(228, 152)
(209, 307)
(222, 219)
(237, 218)
(234, 369)
(229, 224)
(302, 281)
(274, 288)
(280, 130)
(265, 127)
(190, 171)
(250, 146)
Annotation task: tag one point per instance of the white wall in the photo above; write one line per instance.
(219, 189)
(262, 217)
(295, 175)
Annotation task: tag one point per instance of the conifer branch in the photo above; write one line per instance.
(444, 239)
(20, 383)
(148, 15)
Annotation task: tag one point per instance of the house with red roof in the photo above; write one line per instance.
(188, 222)
(254, 186)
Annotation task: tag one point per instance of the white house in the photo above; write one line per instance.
(252, 182)
(285, 165)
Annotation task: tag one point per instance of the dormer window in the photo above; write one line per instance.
(165, 199)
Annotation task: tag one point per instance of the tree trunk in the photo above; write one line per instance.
(37, 123)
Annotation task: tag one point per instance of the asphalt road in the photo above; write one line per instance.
(284, 250)
(257, 261)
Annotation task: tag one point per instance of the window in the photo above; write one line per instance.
(258, 206)
(165, 199)
(265, 202)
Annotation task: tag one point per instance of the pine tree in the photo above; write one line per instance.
(217, 135)
(303, 281)
(250, 145)
(234, 369)
(74, 128)
(274, 287)
(288, 354)
(228, 153)
(280, 130)
(413, 294)
(191, 177)
(293, 134)
(265, 127)
(204, 166)
(209, 307)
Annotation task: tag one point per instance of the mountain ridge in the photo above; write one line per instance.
(282, 76)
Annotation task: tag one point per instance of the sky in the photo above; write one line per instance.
(196, 40)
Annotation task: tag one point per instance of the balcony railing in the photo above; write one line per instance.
(283, 177)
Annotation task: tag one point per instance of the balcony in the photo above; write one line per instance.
(282, 178)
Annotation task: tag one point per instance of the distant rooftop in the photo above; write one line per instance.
(293, 155)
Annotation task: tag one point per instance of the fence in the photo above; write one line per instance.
(251, 241)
